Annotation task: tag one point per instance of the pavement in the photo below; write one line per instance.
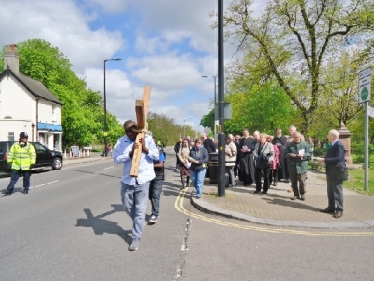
(93, 157)
(276, 207)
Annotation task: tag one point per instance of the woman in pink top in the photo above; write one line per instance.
(273, 175)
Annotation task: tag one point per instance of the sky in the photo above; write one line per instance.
(166, 44)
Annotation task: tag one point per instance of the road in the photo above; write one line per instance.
(72, 226)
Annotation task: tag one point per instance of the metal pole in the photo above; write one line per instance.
(221, 135)
(215, 106)
(366, 184)
(105, 124)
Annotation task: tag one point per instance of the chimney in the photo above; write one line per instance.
(11, 59)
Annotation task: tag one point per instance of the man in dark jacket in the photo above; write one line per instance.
(335, 163)
(208, 143)
(298, 155)
(155, 186)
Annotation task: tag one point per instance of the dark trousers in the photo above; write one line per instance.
(258, 175)
(298, 183)
(15, 176)
(154, 194)
(273, 176)
(334, 193)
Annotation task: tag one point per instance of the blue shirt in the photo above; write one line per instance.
(121, 155)
(162, 157)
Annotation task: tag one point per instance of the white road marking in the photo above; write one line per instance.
(52, 182)
(44, 184)
(108, 168)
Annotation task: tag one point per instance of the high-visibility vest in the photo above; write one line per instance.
(21, 157)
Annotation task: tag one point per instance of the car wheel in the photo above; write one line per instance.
(57, 164)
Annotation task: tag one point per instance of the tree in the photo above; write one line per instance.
(82, 110)
(293, 38)
(164, 128)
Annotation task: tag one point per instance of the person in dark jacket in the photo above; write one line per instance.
(155, 186)
(198, 158)
(298, 155)
(335, 163)
(177, 146)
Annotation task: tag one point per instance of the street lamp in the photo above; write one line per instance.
(105, 123)
(215, 102)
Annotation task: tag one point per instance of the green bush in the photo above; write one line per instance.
(358, 149)
(317, 152)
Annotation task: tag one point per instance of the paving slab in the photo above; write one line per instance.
(276, 207)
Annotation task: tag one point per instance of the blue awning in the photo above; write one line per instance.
(49, 127)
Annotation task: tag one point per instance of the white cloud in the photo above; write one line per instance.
(63, 25)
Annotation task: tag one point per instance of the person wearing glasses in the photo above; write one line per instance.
(134, 191)
(298, 154)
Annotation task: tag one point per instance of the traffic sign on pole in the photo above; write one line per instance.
(364, 94)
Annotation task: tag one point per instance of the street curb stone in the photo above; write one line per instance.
(206, 207)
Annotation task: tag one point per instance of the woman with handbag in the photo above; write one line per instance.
(264, 157)
(184, 164)
(199, 159)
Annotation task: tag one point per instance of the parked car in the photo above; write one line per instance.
(44, 157)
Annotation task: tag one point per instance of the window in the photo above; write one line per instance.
(53, 113)
(10, 136)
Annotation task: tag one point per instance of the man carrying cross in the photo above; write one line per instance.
(135, 189)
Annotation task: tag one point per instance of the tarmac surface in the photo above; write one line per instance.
(276, 207)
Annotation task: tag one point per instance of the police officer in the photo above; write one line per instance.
(22, 158)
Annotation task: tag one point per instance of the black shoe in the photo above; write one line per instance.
(182, 187)
(256, 192)
(7, 192)
(264, 192)
(327, 210)
(25, 191)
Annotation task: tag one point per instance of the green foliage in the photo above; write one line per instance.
(264, 108)
(291, 42)
(208, 120)
(358, 150)
(82, 110)
(166, 130)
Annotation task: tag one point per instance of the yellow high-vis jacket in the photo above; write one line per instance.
(21, 157)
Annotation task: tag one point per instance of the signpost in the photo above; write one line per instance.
(364, 96)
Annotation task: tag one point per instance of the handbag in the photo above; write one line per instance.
(343, 173)
(187, 164)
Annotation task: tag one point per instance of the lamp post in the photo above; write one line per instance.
(105, 123)
(215, 101)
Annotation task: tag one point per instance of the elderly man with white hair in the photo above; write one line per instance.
(335, 163)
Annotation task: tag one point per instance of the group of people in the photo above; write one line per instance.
(259, 159)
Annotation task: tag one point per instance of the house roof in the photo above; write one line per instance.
(36, 88)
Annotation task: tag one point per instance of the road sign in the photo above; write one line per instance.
(364, 93)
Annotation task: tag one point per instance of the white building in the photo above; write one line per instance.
(26, 105)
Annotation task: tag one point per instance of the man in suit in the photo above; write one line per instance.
(334, 161)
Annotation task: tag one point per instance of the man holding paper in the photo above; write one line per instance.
(298, 154)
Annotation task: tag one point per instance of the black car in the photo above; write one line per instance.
(44, 157)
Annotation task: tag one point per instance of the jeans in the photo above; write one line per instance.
(155, 188)
(230, 171)
(15, 176)
(135, 199)
(197, 178)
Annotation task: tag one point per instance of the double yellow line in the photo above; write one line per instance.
(179, 206)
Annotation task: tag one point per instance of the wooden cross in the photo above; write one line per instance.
(141, 110)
